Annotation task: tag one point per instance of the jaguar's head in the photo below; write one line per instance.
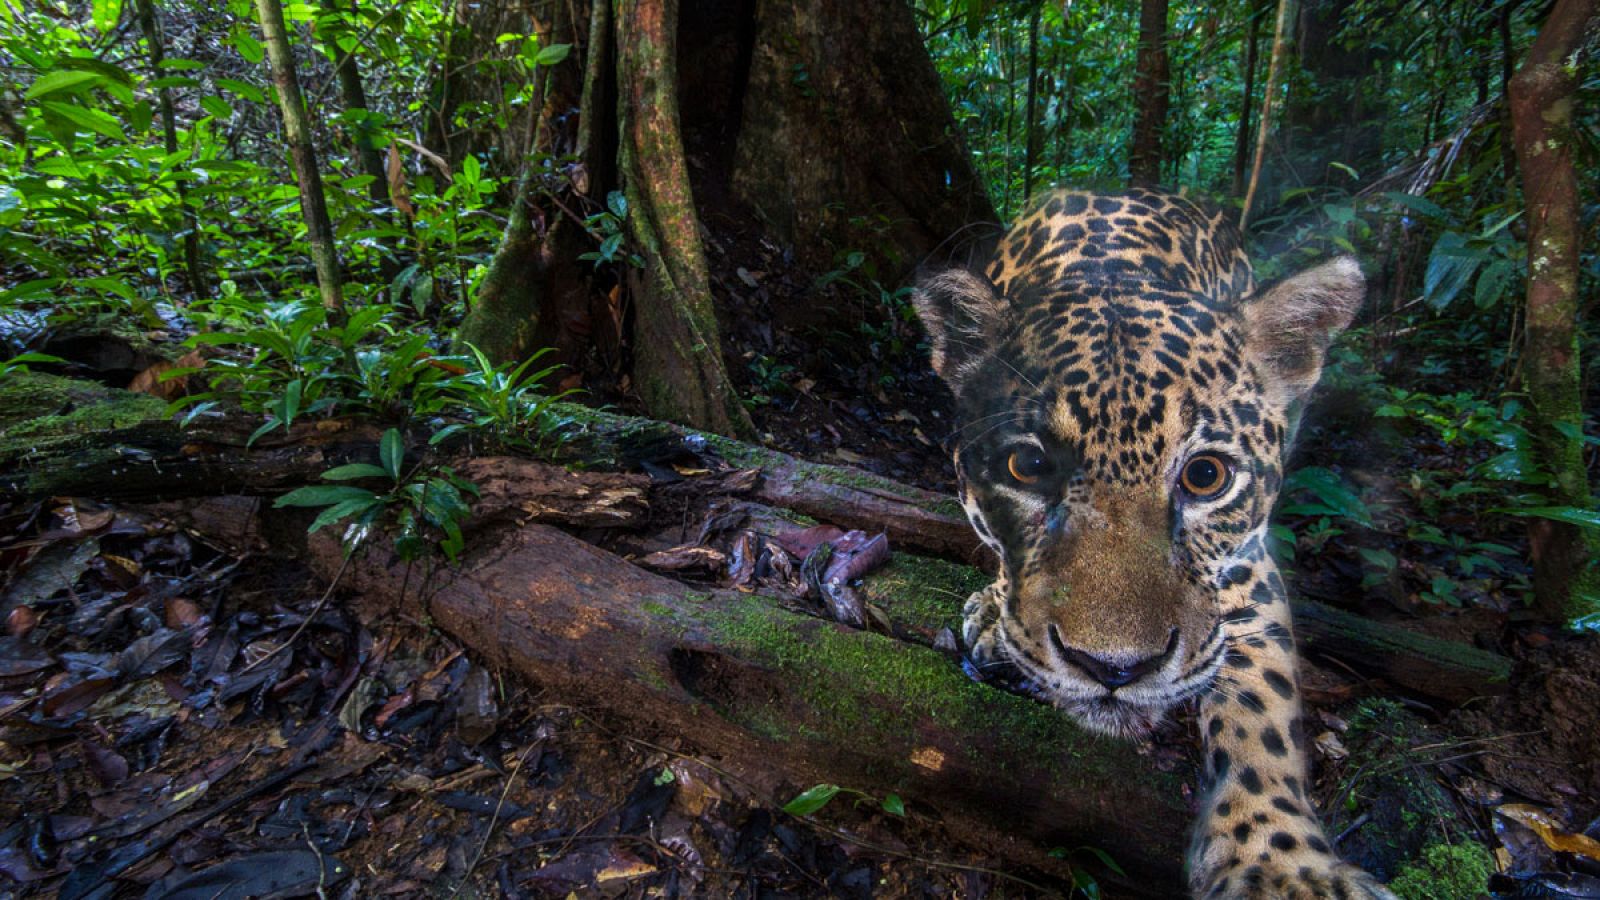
(1122, 395)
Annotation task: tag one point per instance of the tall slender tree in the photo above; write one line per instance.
(297, 127)
(155, 44)
(1030, 157)
(1543, 91)
(1152, 94)
(353, 94)
(1241, 138)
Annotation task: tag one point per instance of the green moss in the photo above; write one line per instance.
(923, 593)
(1389, 781)
(1446, 872)
(43, 412)
(856, 686)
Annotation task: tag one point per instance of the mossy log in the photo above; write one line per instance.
(782, 694)
(64, 437)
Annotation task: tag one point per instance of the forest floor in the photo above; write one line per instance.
(155, 742)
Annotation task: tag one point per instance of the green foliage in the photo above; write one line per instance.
(428, 506)
(814, 798)
(608, 226)
(504, 403)
(1446, 872)
(288, 360)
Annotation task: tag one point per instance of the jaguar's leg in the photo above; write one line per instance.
(1258, 835)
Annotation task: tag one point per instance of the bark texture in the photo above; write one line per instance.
(297, 130)
(781, 692)
(1543, 93)
(678, 366)
(1152, 94)
(845, 139)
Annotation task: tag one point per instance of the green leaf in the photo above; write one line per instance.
(1450, 266)
(106, 14)
(1105, 859)
(445, 434)
(85, 119)
(352, 471)
(323, 495)
(1382, 560)
(112, 286)
(243, 88)
(1572, 515)
(60, 80)
(1492, 284)
(617, 202)
(392, 452)
(1512, 465)
(216, 106)
(248, 46)
(343, 510)
(554, 53)
(1330, 490)
(1427, 208)
(1574, 432)
(811, 799)
(894, 806)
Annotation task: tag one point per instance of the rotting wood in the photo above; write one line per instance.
(771, 690)
(63, 437)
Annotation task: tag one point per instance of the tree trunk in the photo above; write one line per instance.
(1542, 97)
(678, 367)
(862, 152)
(1341, 121)
(297, 127)
(1280, 49)
(1031, 152)
(473, 27)
(354, 97)
(1241, 142)
(536, 293)
(151, 26)
(812, 160)
(1152, 93)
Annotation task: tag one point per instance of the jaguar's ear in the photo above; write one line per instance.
(961, 311)
(1292, 323)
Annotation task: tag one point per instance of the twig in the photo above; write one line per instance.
(495, 818)
(315, 610)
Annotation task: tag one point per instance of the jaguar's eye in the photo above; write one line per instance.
(1206, 475)
(1028, 465)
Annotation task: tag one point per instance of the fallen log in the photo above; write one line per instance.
(61, 436)
(773, 690)
(66, 437)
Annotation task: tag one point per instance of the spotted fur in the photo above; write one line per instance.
(1111, 359)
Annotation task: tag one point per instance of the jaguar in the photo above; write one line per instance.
(1124, 395)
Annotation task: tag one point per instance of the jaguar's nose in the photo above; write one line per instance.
(1113, 672)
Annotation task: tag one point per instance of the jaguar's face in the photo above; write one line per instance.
(1121, 465)
(1122, 395)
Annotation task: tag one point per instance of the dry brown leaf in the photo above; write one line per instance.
(1550, 830)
